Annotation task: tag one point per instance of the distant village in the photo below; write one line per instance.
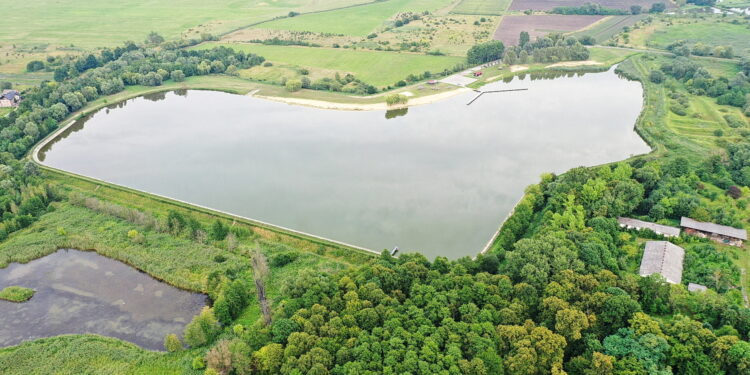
(666, 259)
(10, 98)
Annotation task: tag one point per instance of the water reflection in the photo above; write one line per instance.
(83, 292)
(439, 180)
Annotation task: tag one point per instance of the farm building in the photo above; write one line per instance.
(10, 98)
(719, 233)
(664, 258)
(663, 230)
(697, 287)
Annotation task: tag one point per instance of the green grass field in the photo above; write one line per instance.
(481, 7)
(355, 21)
(101, 23)
(374, 67)
(604, 30)
(710, 33)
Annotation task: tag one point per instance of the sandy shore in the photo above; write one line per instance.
(574, 63)
(366, 107)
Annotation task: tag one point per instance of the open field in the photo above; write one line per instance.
(355, 21)
(539, 25)
(712, 32)
(103, 23)
(608, 27)
(481, 7)
(545, 5)
(374, 67)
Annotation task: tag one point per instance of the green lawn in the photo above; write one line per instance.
(374, 67)
(88, 23)
(355, 21)
(481, 7)
(710, 33)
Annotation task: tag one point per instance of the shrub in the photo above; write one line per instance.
(394, 99)
(202, 329)
(172, 343)
(656, 76)
(198, 363)
(734, 121)
(293, 85)
(282, 259)
(177, 75)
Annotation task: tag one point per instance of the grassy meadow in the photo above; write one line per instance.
(355, 21)
(374, 67)
(608, 27)
(93, 24)
(712, 32)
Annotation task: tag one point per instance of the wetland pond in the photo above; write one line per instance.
(84, 292)
(438, 179)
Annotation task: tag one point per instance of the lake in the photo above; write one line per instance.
(437, 178)
(84, 292)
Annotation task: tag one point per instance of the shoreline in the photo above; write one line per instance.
(328, 105)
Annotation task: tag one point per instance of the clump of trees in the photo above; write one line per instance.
(589, 9)
(485, 52)
(552, 48)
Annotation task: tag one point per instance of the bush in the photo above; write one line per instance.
(293, 85)
(485, 52)
(202, 329)
(394, 99)
(34, 66)
(172, 343)
(198, 363)
(656, 76)
(734, 121)
(177, 75)
(282, 259)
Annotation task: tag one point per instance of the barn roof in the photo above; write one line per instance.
(723, 230)
(657, 228)
(664, 258)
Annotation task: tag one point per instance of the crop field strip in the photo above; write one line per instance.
(545, 5)
(539, 25)
(607, 28)
(481, 7)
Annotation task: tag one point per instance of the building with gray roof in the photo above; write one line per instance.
(664, 258)
(664, 230)
(719, 233)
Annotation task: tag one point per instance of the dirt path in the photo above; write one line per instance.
(744, 289)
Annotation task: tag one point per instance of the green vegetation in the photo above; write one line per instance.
(711, 32)
(481, 7)
(102, 24)
(369, 18)
(373, 67)
(609, 27)
(16, 294)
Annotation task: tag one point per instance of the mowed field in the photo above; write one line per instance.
(610, 26)
(374, 67)
(355, 21)
(481, 7)
(86, 23)
(520, 5)
(710, 33)
(539, 25)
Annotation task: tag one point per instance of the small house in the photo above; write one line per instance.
(664, 258)
(10, 98)
(664, 230)
(719, 233)
(432, 82)
(477, 74)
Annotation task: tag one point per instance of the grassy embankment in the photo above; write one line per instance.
(16, 294)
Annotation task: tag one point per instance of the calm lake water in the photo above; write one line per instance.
(84, 292)
(437, 179)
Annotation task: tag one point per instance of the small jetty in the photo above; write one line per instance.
(480, 93)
